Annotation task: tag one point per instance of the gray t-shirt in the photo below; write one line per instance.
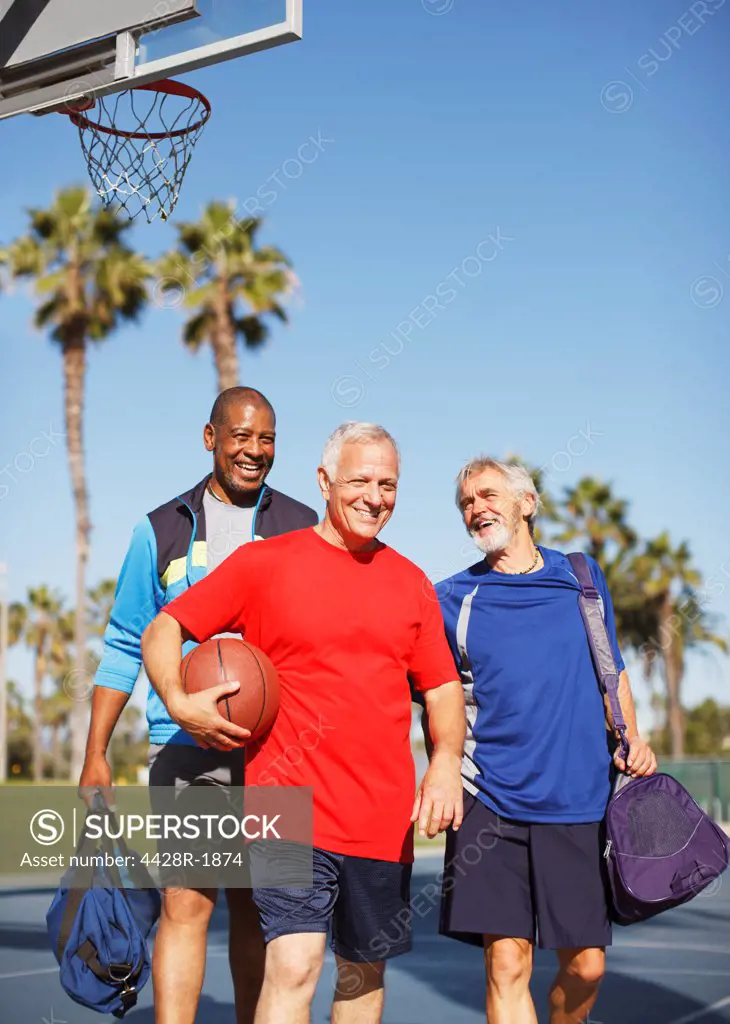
(227, 527)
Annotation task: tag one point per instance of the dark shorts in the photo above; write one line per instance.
(180, 769)
(530, 881)
(180, 764)
(365, 902)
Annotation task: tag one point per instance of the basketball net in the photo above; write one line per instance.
(138, 144)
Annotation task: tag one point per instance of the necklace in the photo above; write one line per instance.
(522, 572)
(212, 493)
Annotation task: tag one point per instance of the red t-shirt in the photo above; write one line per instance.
(345, 633)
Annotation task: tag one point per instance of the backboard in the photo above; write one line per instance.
(55, 54)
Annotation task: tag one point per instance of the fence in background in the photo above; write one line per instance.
(707, 781)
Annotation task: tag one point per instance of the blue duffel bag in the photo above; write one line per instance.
(98, 928)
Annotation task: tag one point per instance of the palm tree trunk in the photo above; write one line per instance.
(74, 368)
(673, 671)
(39, 673)
(224, 342)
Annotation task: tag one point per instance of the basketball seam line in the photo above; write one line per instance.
(263, 689)
(223, 673)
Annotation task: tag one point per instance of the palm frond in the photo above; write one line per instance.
(197, 330)
(254, 331)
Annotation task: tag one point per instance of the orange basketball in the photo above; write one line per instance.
(228, 660)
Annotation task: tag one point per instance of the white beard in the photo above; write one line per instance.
(496, 539)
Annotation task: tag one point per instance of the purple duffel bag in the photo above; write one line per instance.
(661, 847)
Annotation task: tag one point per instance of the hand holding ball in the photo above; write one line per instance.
(227, 660)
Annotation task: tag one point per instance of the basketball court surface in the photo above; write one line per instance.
(673, 970)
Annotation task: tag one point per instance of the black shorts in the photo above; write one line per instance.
(178, 765)
(207, 776)
(525, 881)
(366, 902)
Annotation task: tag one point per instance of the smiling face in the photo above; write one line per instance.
(361, 498)
(493, 514)
(243, 449)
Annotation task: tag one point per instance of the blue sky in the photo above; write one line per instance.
(537, 192)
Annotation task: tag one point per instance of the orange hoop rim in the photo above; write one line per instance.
(166, 85)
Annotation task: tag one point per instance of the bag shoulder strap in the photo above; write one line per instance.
(598, 640)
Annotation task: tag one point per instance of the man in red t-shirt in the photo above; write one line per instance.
(349, 624)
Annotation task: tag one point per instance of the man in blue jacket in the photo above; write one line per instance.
(172, 548)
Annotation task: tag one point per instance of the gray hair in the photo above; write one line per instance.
(519, 480)
(353, 433)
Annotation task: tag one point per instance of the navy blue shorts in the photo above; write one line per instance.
(525, 881)
(365, 902)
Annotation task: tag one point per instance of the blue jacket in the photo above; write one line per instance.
(167, 554)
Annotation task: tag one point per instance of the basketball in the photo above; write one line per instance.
(227, 660)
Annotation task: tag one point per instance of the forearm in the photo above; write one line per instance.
(161, 654)
(446, 719)
(628, 708)
(106, 707)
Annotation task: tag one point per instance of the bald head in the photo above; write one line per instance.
(236, 397)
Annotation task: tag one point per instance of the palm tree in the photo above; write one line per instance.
(672, 619)
(20, 733)
(56, 714)
(17, 616)
(593, 514)
(593, 518)
(88, 282)
(228, 281)
(58, 707)
(100, 603)
(35, 623)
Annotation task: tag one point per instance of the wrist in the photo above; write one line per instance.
(96, 753)
(175, 703)
(446, 753)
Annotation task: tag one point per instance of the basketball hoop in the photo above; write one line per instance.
(138, 144)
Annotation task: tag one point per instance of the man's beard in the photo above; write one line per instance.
(497, 539)
(236, 485)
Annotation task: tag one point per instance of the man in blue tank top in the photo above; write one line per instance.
(537, 765)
